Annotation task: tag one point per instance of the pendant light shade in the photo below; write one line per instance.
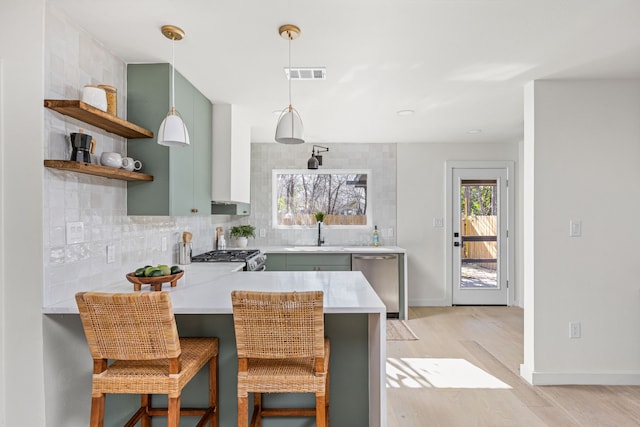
(173, 131)
(289, 129)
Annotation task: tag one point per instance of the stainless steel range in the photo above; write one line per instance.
(253, 259)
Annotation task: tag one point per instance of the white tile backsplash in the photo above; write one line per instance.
(379, 158)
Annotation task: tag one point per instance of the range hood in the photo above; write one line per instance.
(230, 208)
(231, 174)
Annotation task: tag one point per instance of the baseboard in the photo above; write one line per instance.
(429, 302)
(432, 302)
(579, 378)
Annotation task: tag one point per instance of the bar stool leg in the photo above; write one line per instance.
(243, 411)
(173, 415)
(145, 402)
(213, 390)
(97, 411)
(321, 415)
(327, 397)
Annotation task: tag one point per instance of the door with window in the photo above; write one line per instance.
(479, 247)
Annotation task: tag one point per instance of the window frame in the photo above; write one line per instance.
(274, 196)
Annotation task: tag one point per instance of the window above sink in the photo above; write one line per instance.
(342, 194)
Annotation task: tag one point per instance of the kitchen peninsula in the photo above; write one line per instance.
(354, 321)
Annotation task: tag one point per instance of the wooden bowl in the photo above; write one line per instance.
(155, 282)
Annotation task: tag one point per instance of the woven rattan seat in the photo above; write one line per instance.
(138, 332)
(281, 349)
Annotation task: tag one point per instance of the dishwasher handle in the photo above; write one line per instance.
(374, 257)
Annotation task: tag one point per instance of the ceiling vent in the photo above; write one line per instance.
(306, 73)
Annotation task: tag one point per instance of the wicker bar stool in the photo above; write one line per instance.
(281, 349)
(139, 331)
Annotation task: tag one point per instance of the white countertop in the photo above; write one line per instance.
(206, 288)
(340, 249)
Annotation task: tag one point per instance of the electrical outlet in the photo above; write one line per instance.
(75, 232)
(390, 232)
(111, 253)
(263, 232)
(164, 244)
(438, 222)
(575, 228)
(574, 330)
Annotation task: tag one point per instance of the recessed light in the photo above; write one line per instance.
(405, 112)
(472, 131)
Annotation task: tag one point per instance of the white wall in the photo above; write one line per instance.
(21, 130)
(582, 155)
(421, 197)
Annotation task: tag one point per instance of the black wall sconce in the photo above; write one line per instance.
(316, 159)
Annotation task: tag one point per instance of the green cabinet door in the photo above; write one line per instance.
(308, 262)
(276, 262)
(182, 175)
(202, 166)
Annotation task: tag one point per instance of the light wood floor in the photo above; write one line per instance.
(490, 338)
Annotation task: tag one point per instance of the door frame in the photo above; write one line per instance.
(509, 166)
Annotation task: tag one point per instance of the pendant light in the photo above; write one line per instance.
(289, 129)
(173, 131)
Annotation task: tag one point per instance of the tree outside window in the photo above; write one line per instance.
(341, 195)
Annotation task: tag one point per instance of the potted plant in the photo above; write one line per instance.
(319, 216)
(242, 234)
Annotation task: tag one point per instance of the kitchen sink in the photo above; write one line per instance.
(315, 248)
(355, 249)
(365, 249)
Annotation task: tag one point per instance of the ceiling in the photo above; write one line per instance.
(461, 65)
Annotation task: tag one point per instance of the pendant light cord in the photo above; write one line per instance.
(289, 71)
(173, 73)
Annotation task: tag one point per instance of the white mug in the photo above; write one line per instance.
(95, 96)
(129, 164)
(111, 159)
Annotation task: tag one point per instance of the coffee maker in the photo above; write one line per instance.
(82, 146)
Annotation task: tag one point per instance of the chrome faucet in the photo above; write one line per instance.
(320, 239)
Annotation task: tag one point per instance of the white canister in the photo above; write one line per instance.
(111, 159)
(95, 96)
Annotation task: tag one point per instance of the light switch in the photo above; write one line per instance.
(75, 232)
(575, 228)
(111, 253)
(438, 222)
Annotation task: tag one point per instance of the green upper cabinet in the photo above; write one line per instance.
(182, 175)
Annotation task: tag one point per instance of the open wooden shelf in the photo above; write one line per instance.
(93, 116)
(97, 170)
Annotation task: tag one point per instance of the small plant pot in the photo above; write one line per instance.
(242, 242)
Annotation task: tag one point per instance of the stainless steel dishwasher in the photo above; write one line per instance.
(381, 271)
